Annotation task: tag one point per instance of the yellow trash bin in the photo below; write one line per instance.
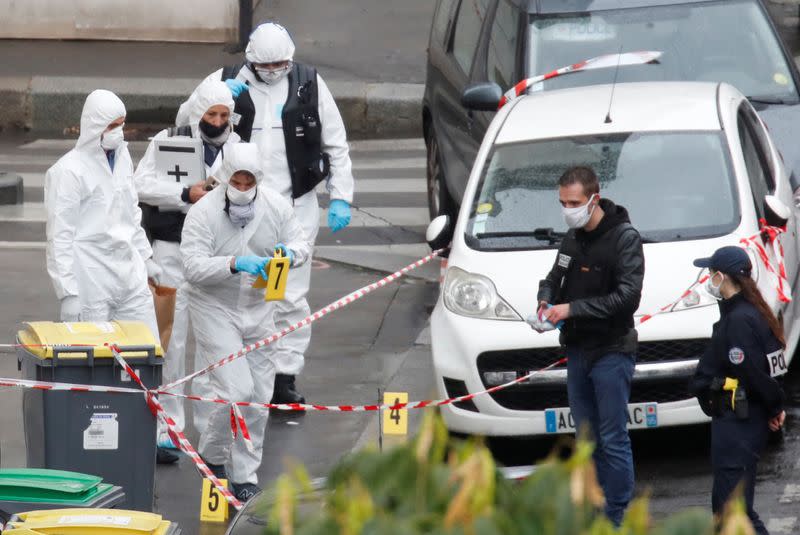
(90, 522)
(109, 435)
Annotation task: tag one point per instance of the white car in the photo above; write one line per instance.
(696, 169)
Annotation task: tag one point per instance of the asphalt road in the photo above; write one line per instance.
(355, 352)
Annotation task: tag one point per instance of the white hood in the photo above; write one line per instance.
(210, 93)
(270, 42)
(241, 157)
(101, 108)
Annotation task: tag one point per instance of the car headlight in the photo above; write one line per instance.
(468, 294)
(695, 298)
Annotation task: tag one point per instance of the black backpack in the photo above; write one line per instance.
(244, 106)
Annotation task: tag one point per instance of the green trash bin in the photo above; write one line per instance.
(28, 489)
(110, 435)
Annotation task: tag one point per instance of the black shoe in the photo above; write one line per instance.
(245, 491)
(165, 456)
(217, 469)
(285, 392)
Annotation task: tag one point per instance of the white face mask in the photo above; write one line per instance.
(273, 76)
(579, 216)
(241, 198)
(112, 139)
(715, 291)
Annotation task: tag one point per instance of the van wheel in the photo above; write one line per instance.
(439, 200)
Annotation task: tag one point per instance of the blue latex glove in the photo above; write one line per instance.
(288, 253)
(236, 87)
(338, 215)
(254, 265)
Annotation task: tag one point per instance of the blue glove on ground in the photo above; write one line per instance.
(338, 215)
(236, 87)
(288, 253)
(253, 265)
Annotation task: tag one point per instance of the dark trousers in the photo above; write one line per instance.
(599, 391)
(736, 446)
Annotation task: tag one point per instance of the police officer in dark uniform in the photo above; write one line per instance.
(736, 381)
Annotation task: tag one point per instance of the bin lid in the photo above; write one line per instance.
(49, 486)
(88, 522)
(39, 337)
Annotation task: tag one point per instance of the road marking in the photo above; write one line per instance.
(791, 493)
(389, 163)
(388, 144)
(385, 185)
(23, 245)
(382, 217)
(782, 525)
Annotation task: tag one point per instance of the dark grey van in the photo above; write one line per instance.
(505, 41)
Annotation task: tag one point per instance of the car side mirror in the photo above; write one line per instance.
(439, 233)
(483, 96)
(775, 212)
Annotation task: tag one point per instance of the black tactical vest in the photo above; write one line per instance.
(302, 131)
(302, 128)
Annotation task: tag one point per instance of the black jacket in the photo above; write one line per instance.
(742, 346)
(599, 273)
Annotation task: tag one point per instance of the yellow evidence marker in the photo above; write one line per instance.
(213, 507)
(277, 275)
(395, 421)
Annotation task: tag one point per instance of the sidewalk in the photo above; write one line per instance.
(43, 85)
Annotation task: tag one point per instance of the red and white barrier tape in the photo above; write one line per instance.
(600, 62)
(68, 387)
(175, 434)
(774, 244)
(333, 307)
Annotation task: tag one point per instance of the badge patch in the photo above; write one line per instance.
(777, 363)
(564, 260)
(736, 355)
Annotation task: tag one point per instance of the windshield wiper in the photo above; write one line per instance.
(765, 99)
(540, 234)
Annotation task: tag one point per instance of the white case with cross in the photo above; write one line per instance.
(180, 159)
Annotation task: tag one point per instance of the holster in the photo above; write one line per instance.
(728, 396)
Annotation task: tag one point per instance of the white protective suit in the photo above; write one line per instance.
(165, 193)
(227, 313)
(269, 43)
(96, 247)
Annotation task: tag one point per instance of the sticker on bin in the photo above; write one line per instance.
(102, 433)
(640, 416)
(105, 520)
(103, 327)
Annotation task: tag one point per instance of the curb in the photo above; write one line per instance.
(45, 104)
(11, 189)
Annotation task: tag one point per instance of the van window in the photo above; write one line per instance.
(675, 186)
(501, 60)
(441, 20)
(471, 15)
(757, 171)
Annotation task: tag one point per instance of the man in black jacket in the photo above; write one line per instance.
(594, 289)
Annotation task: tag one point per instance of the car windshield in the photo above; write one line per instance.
(675, 186)
(729, 41)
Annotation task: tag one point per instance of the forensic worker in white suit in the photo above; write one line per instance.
(303, 142)
(168, 201)
(228, 240)
(98, 256)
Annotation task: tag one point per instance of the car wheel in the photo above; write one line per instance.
(439, 200)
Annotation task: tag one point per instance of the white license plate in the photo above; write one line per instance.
(640, 416)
